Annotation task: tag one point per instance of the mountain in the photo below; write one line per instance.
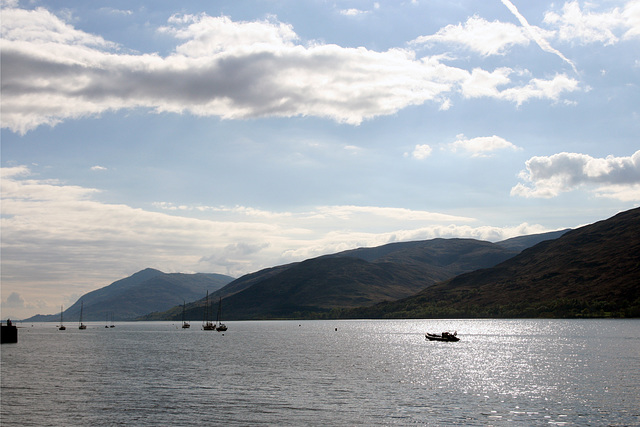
(348, 279)
(521, 243)
(592, 271)
(143, 292)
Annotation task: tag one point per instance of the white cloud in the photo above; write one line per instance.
(41, 27)
(113, 11)
(352, 12)
(540, 89)
(445, 104)
(397, 214)
(484, 83)
(625, 193)
(631, 16)
(53, 72)
(421, 151)
(612, 177)
(352, 149)
(573, 24)
(584, 26)
(345, 240)
(14, 300)
(486, 38)
(98, 168)
(482, 145)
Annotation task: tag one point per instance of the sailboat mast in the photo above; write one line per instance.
(82, 326)
(62, 327)
(206, 310)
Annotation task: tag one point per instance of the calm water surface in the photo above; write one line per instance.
(502, 372)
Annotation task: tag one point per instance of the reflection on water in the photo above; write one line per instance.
(563, 372)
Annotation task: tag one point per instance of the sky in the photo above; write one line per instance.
(227, 137)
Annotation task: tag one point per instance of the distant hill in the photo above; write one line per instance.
(143, 292)
(521, 243)
(348, 279)
(593, 271)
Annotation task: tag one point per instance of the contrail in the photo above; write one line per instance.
(534, 33)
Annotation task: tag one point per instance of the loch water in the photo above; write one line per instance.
(291, 373)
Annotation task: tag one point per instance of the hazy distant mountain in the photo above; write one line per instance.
(144, 292)
(590, 271)
(348, 279)
(521, 243)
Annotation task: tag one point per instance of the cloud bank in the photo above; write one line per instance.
(234, 70)
(571, 24)
(586, 27)
(479, 35)
(610, 177)
(58, 233)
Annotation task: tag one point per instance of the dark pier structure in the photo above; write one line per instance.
(9, 333)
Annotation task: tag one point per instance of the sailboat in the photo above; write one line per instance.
(112, 325)
(207, 325)
(185, 325)
(62, 327)
(82, 325)
(220, 327)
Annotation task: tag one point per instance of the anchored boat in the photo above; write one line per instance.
(445, 336)
(207, 324)
(185, 324)
(220, 327)
(61, 327)
(82, 325)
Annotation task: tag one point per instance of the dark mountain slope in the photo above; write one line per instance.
(249, 280)
(320, 284)
(590, 271)
(143, 292)
(349, 279)
(450, 256)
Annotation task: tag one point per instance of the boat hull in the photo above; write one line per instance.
(436, 337)
(9, 334)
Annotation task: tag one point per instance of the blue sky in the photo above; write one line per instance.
(232, 136)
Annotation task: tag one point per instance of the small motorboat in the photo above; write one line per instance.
(445, 336)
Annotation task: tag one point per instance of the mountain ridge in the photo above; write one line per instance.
(592, 271)
(362, 276)
(143, 292)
